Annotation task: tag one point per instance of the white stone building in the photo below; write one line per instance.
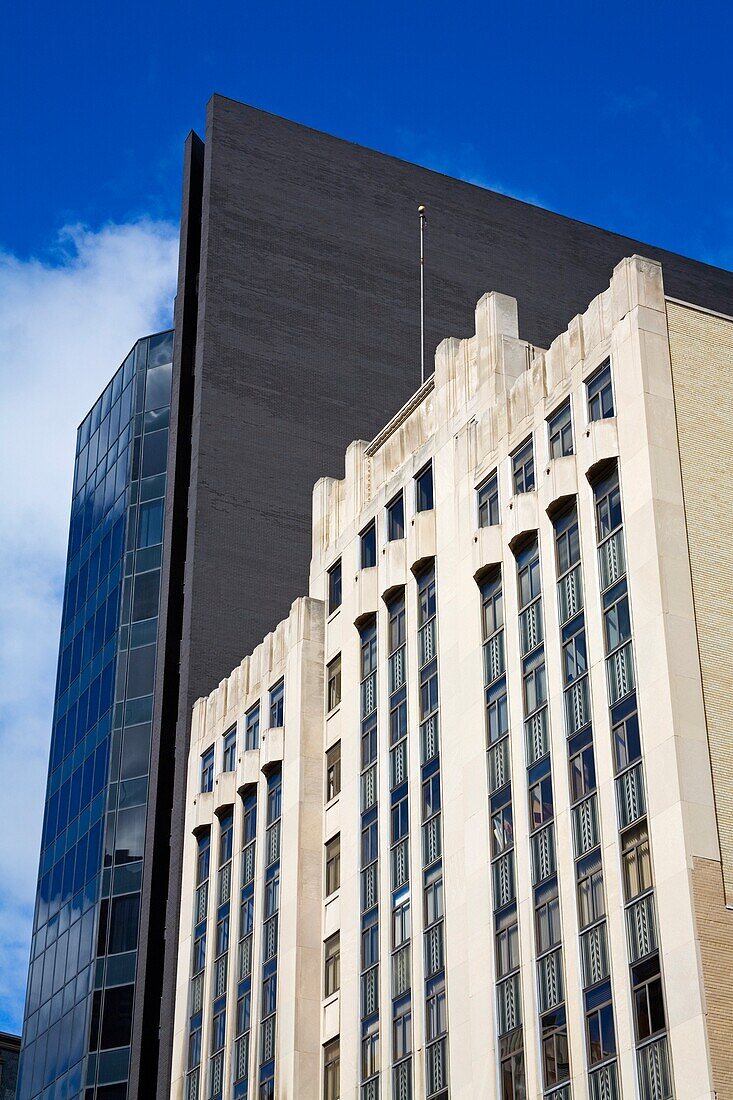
(485, 844)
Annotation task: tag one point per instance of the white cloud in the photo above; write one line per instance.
(65, 326)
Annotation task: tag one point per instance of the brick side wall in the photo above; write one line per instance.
(701, 348)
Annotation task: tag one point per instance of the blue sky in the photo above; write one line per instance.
(618, 115)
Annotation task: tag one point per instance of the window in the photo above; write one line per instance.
(370, 1051)
(436, 1016)
(226, 838)
(540, 802)
(530, 582)
(512, 1069)
(222, 935)
(523, 468)
(333, 691)
(396, 518)
(646, 983)
(433, 897)
(424, 489)
(252, 728)
(199, 950)
(591, 903)
(617, 624)
(333, 865)
(402, 1030)
(507, 942)
(431, 796)
(207, 770)
(487, 496)
(582, 773)
(333, 771)
(369, 842)
(331, 1071)
(277, 705)
(497, 711)
(600, 394)
(230, 750)
(626, 738)
(334, 587)
(399, 818)
(332, 965)
(502, 830)
(574, 657)
(560, 432)
(368, 543)
(547, 916)
(637, 864)
(608, 506)
(555, 1057)
(401, 923)
(370, 941)
(203, 857)
(599, 1029)
(567, 541)
(535, 683)
(492, 608)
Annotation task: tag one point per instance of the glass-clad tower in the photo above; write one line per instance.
(79, 1004)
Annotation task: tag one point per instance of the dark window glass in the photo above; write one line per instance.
(207, 770)
(333, 865)
(368, 543)
(636, 859)
(117, 1017)
(555, 1056)
(617, 624)
(124, 923)
(277, 705)
(591, 902)
(135, 751)
(396, 518)
(226, 838)
(145, 600)
(150, 524)
(540, 803)
(130, 835)
(560, 431)
(582, 773)
(334, 587)
(333, 687)
(332, 965)
(487, 496)
(252, 728)
(331, 1071)
(141, 671)
(424, 489)
(567, 541)
(507, 941)
(600, 1031)
(547, 916)
(600, 394)
(649, 1016)
(155, 453)
(333, 771)
(608, 506)
(626, 740)
(523, 468)
(230, 750)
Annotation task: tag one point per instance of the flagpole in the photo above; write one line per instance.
(421, 212)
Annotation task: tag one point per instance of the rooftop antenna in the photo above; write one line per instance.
(421, 212)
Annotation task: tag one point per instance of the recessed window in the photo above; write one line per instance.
(396, 518)
(591, 902)
(555, 1056)
(507, 941)
(547, 916)
(637, 863)
(626, 737)
(582, 773)
(646, 981)
(402, 1029)
(207, 770)
(523, 468)
(331, 1071)
(332, 965)
(424, 489)
(560, 432)
(230, 750)
(487, 496)
(252, 728)
(333, 771)
(599, 1027)
(368, 544)
(277, 705)
(334, 587)
(333, 865)
(599, 389)
(333, 685)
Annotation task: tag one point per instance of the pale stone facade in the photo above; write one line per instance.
(517, 863)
